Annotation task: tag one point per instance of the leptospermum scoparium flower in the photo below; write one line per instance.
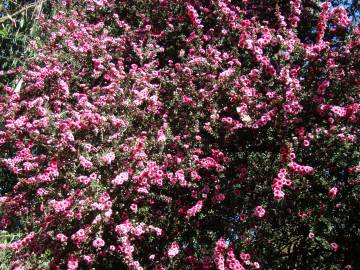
(163, 134)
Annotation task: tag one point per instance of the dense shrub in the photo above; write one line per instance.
(185, 135)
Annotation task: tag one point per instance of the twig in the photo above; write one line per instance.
(10, 17)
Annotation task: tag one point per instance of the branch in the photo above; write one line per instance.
(10, 17)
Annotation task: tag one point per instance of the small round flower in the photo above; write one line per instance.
(120, 179)
(256, 265)
(88, 259)
(98, 242)
(173, 250)
(72, 263)
(108, 158)
(332, 193)
(311, 235)
(259, 211)
(80, 233)
(334, 247)
(134, 207)
(61, 237)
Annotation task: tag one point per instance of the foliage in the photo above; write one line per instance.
(166, 134)
(17, 27)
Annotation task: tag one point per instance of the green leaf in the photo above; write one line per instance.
(3, 33)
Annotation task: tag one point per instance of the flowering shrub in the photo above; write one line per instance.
(166, 134)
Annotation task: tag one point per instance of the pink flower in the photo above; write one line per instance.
(98, 242)
(339, 111)
(120, 179)
(161, 135)
(173, 250)
(159, 267)
(109, 158)
(259, 211)
(138, 230)
(73, 263)
(85, 163)
(311, 235)
(61, 206)
(332, 192)
(334, 247)
(142, 190)
(83, 180)
(245, 256)
(278, 195)
(61, 237)
(88, 258)
(123, 228)
(79, 236)
(104, 197)
(195, 209)
(134, 207)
